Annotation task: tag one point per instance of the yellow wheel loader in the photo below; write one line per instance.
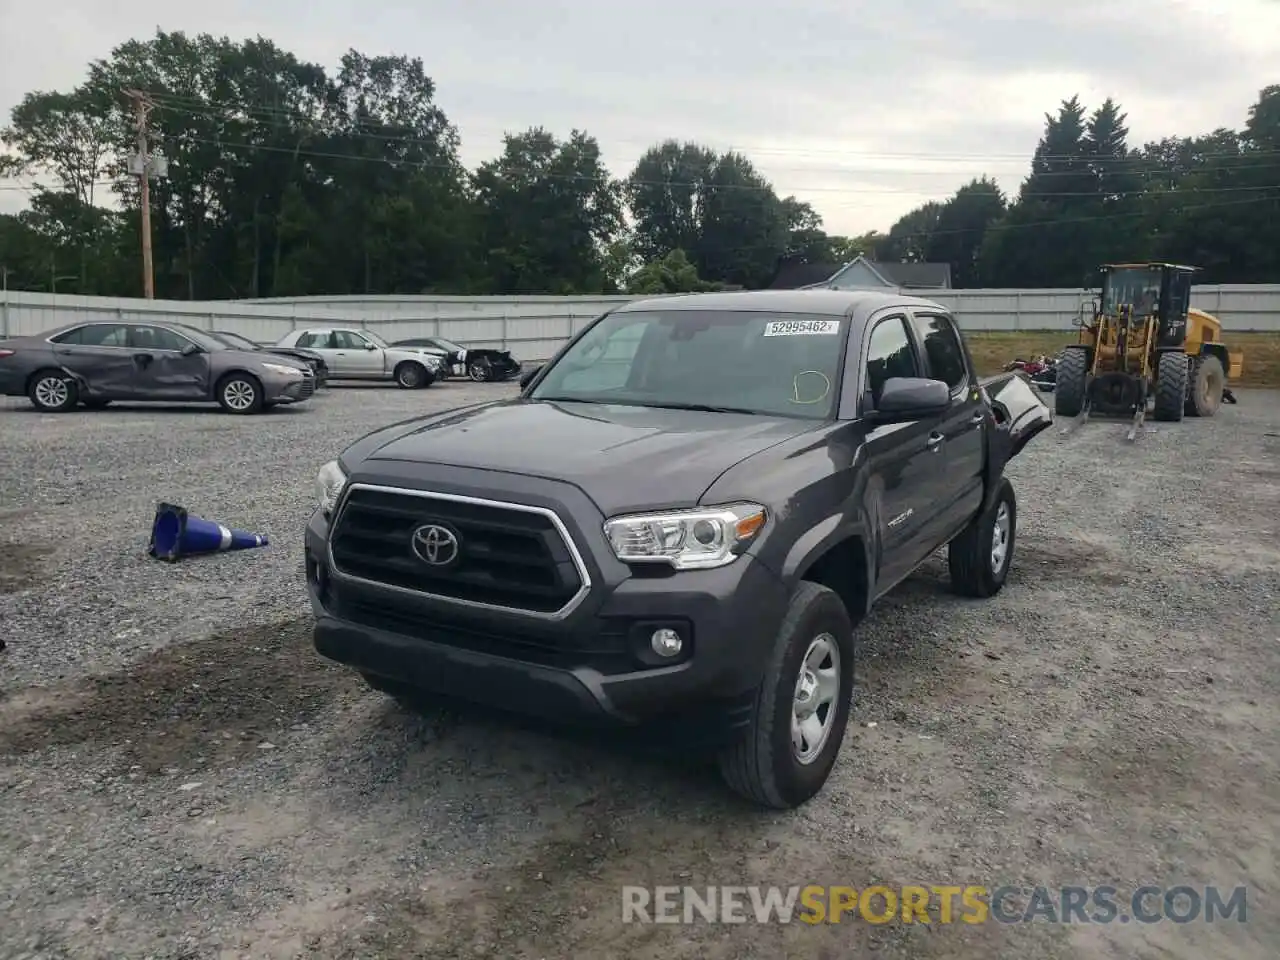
(1146, 346)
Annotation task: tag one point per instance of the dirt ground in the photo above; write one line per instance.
(188, 779)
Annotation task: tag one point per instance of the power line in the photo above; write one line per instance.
(711, 185)
(192, 105)
(999, 225)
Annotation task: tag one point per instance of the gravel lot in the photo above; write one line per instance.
(181, 776)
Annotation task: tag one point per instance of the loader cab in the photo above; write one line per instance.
(1141, 290)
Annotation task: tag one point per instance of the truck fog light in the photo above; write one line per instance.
(666, 642)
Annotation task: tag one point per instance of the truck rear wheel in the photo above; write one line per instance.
(1171, 386)
(1207, 381)
(979, 558)
(1068, 393)
(801, 707)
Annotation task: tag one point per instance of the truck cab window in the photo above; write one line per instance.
(942, 349)
(889, 355)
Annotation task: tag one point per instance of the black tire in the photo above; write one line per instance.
(411, 375)
(971, 556)
(52, 391)
(95, 404)
(762, 766)
(1171, 386)
(1068, 392)
(480, 370)
(1206, 383)
(239, 393)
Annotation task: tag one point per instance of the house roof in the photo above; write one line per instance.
(792, 276)
(914, 274)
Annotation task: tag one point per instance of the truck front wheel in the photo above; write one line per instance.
(801, 707)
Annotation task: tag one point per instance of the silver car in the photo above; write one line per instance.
(98, 362)
(353, 353)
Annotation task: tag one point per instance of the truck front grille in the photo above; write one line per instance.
(493, 554)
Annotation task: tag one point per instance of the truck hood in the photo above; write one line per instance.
(625, 458)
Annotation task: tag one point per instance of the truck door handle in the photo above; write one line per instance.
(934, 442)
(978, 417)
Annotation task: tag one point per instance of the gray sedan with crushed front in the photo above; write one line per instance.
(95, 363)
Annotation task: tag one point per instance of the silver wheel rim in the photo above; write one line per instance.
(1000, 538)
(479, 373)
(813, 709)
(408, 377)
(239, 395)
(52, 392)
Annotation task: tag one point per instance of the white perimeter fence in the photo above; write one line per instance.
(533, 328)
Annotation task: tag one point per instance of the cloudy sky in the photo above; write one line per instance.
(863, 110)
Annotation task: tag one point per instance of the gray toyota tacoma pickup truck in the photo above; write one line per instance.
(678, 523)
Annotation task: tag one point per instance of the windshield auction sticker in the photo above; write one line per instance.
(793, 328)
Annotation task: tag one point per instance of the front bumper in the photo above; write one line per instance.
(281, 389)
(594, 668)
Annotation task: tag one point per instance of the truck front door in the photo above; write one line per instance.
(904, 460)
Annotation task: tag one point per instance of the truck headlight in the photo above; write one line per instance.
(281, 369)
(686, 539)
(329, 484)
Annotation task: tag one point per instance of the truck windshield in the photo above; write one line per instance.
(1135, 287)
(753, 362)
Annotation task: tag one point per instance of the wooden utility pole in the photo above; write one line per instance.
(141, 108)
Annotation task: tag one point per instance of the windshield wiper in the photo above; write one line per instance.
(698, 407)
(571, 400)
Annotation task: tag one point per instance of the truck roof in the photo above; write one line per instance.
(830, 303)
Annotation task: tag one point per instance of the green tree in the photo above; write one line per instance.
(666, 194)
(961, 224)
(672, 274)
(908, 239)
(548, 209)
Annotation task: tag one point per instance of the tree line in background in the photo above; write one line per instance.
(286, 179)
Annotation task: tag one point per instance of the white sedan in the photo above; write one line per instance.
(352, 353)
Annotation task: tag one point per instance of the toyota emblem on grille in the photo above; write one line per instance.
(435, 545)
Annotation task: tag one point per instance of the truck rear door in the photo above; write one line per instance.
(963, 428)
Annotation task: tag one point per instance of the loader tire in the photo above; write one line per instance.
(1171, 386)
(1205, 389)
(1073, 371)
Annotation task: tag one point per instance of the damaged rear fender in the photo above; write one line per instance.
(1019, 412)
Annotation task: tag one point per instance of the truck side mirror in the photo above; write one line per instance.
(911, 398)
